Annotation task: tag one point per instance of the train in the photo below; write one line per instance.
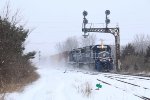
(98, 57)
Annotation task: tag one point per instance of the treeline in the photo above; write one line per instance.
(135, 56)
(71, 43)
(15, 66)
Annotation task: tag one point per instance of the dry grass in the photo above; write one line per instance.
(9, 88)
(19, 86)
(85, 89)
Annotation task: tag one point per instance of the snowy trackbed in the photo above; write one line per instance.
(124, 79)
(63, 83)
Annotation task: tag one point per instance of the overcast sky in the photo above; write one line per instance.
(55, 20)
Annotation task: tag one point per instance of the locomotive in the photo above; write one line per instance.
(96, 56)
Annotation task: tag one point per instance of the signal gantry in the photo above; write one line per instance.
(115, 31)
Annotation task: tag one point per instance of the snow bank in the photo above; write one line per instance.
(61, 82)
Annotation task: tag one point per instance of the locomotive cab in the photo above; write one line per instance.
(102, 56)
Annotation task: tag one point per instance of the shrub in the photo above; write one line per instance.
(15, 66)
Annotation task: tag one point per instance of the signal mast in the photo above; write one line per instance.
(115, 31)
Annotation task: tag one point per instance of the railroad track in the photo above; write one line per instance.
(126, 76)
(120, 78)
(139, 96)
(127, 83)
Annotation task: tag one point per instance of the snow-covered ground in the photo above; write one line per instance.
(66, 83)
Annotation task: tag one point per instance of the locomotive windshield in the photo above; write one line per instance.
(104, 54)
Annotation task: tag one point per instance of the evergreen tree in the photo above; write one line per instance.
(14, 65)
(11, 41)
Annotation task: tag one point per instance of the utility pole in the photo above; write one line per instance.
(39, 56)
(115, 31)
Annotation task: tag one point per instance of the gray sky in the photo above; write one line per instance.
(55, 20)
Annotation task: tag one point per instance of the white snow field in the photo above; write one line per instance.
(65, 83)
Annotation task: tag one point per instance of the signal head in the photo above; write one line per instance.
(85, 13)
(85, 21)
(107, 12)
(107, 21)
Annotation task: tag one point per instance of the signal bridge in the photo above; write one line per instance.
(86, 27)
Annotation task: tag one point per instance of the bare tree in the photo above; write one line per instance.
(11, 16)
(90, 40)
(71, 43)
(141, 42)
(148, 39)
(59, 47)
(68, 45)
